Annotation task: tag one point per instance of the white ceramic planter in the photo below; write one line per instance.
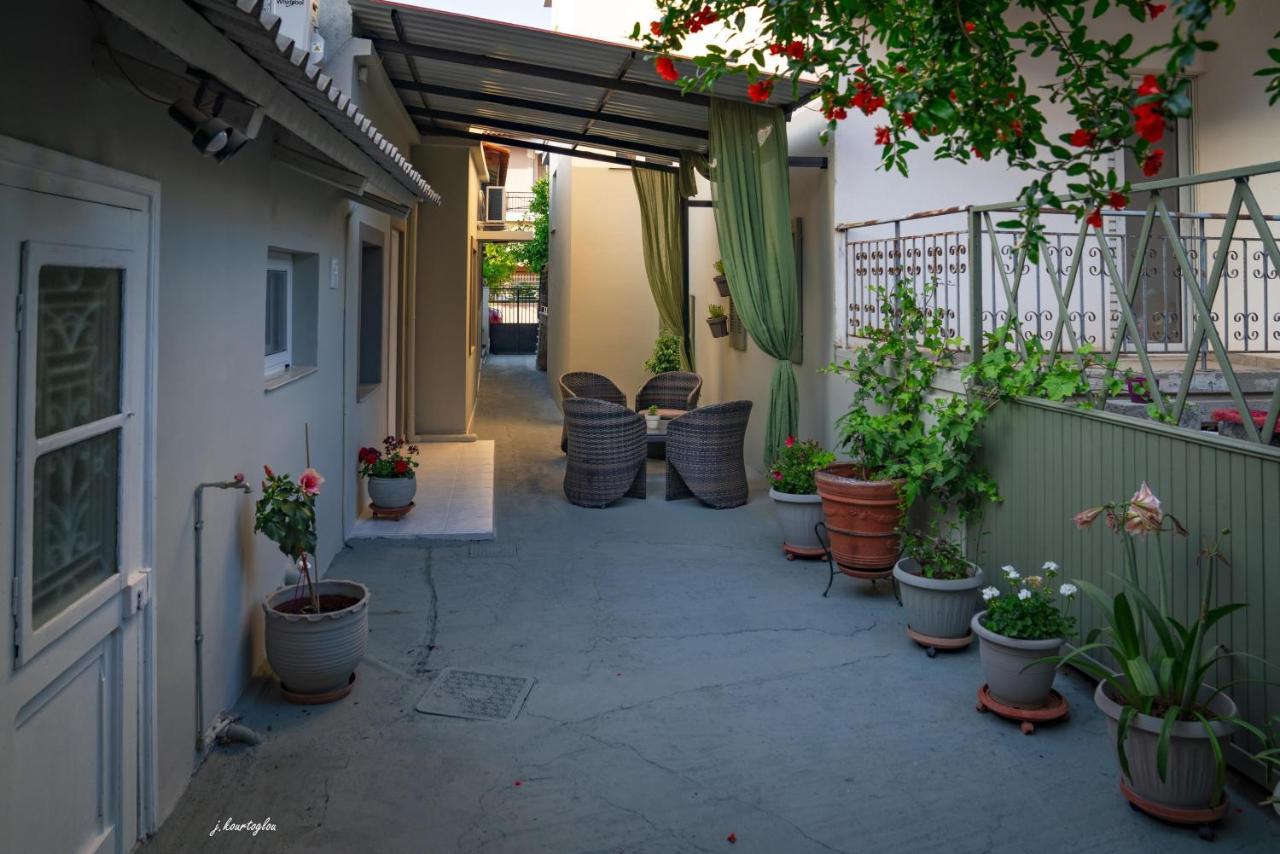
(392, 492)
(1009, 666)
(935, 607)
(317, 653)
(652, 423)
(797, 516)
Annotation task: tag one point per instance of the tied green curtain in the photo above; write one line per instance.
(751, 195)
(659, 194)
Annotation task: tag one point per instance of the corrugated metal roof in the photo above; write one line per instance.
(455, 71)
(257, 34)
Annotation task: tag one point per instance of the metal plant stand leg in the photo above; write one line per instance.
(820, 531)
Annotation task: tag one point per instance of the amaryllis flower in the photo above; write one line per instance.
(310, 481)
(1068, 590)
(989, 593)
(666, 69)
(1144, 515)
(1085, 518)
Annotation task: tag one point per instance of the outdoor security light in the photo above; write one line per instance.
(235, 141)
(208, 134)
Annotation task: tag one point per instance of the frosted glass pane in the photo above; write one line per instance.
(77, 346)
(277, 312)
(74, 523)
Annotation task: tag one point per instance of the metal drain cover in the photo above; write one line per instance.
(479, 696)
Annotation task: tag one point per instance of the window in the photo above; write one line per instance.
(279, 317)
(370, 347)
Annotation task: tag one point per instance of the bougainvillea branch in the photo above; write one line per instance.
(951, 74)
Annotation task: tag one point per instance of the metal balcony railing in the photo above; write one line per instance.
(1151, 282)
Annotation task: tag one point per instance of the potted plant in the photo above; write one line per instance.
(652, 420)
(904, 442)
(1168, 725)
(1018, 630)
(316, 631)
(666, 354)
(939, 589)
(722, 283)
(390, 473)
(1137, 388)
(795, 495)
(717, 320)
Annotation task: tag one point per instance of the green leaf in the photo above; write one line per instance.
(1221, 777)
(1162, 743)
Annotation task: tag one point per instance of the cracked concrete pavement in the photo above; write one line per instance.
(691, 683)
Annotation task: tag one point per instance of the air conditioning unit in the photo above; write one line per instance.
(299, 21)
(495, 204)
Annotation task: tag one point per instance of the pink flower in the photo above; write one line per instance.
(791, 441)
(310, 481)
(1144, 515)
(1085, 518)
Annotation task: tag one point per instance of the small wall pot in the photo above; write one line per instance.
(722, 285)
(719, 326)
(317, 653)
(797, 516)
(862, 517)
(392, 492)
(1139, 389)
(1191, 771)
(936, 607)
(1005, 666)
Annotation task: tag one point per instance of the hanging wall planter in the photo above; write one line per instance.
(718, 321)
(722, 283)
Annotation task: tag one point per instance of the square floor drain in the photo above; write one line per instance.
(479, 696)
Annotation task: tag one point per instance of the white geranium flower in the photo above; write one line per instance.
(1024, 593)
(1010, 573)
(1068, 590)
(989, 593)
(1050, 566)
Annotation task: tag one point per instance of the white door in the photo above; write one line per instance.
(73, 507)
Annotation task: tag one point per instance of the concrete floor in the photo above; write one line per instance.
(691, 684)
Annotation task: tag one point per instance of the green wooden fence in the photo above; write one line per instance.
(1052, 460)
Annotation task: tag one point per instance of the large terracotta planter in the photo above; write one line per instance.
(392, 493)
(937, 608)
(1192, 769)
(316, 654)
(1013, 677)
(862, 516)
(798, 515)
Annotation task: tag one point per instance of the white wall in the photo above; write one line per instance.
(214, 418)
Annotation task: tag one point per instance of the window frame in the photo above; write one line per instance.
(277, 363)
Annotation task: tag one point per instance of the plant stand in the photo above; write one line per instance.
(318, 699)
(932, 645)
(395, 514)
(793, 552)
(1205, 819)
(1055, 710)
(872, 575)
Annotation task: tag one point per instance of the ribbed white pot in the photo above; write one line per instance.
(1013, 668)
(392, 492)
(797, 517)
(317, 653)
(939, 608)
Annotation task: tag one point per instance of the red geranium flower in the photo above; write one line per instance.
(1153, 162)
(1095, 219)
(401, 466)
(760, 90)
(1117, 200)
(1154, 9)
(882, 135)
(655, 27)
(775, 49)
(1082, 138)
(1149, 86)
(666, 69)
(908, 119)
(795, 50)
(1148, 123)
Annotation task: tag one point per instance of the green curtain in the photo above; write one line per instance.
(659, 194)
(751, 194)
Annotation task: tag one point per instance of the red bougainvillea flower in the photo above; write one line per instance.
(1095, 218)
(401, 466)
(1117, 200)
(968, 26)
(908, 119)
(1144, 515)
(1148, 122)
(1153, 162)
(760, 91)
(775, 49)
(1082, 138)
(882, 135)
(655, 27)
(1154, 9)
(666, 69)
(1085, 518)
(310, 481)
(795, 50)
(865, 99)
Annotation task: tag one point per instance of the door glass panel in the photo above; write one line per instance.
(277, 312)
(78, 356)
(74, 525)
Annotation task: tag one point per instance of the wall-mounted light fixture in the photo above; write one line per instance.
(209, 135)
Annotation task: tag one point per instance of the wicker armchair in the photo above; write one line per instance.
(704, 454)
(587, 384)
(607, 452)
(673, 390)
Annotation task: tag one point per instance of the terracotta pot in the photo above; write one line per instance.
(392, 492)
(1005, 665)
(1192, 769)
(937, 607)
(722, 285)
(862, 517)
(719, 326)
(797, 516)
(317, 653)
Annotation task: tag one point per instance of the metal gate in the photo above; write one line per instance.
(513, 316)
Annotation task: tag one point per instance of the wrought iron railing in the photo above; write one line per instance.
(1150, 282)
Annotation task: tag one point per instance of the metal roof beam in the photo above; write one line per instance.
(598, 81)
(544, 107)
(551, 149)
(544, 132)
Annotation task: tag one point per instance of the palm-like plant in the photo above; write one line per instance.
(1161, 676)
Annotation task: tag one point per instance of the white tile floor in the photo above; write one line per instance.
(454, 500)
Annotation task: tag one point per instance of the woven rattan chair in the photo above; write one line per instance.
(673, 390)
(587, 384)
(606, 452)
(704, 454)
